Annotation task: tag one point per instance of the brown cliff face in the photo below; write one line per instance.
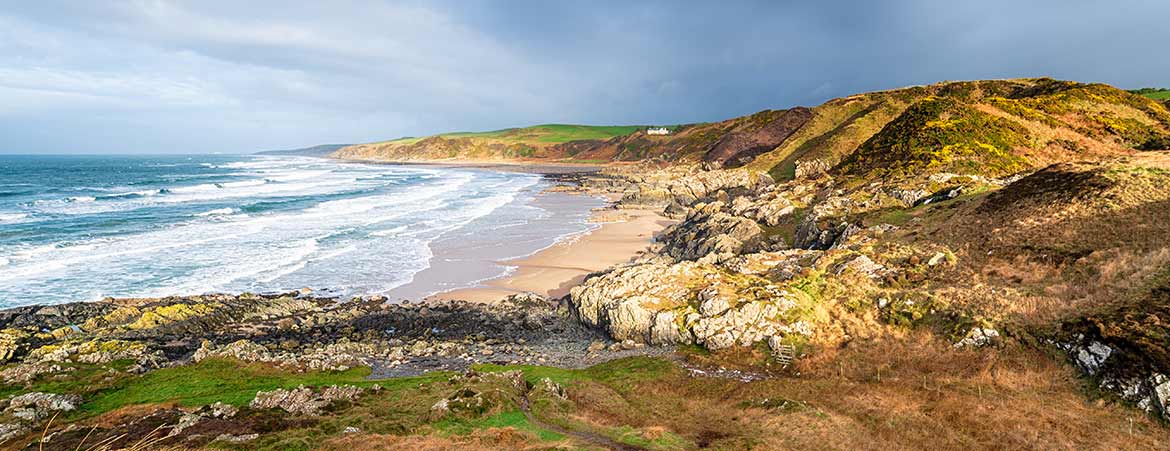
(742, 146)
(729, 143)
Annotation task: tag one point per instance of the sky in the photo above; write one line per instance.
(157, 76)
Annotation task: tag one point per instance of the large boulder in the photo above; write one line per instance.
(686, 190)
(626, 300)
(687, 302)
(37, 406)
(304, 400)
(709, 230)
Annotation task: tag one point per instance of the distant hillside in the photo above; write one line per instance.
(546, 141)
(991, 128)
(315, 151)
(726, 143)
(1153, 93)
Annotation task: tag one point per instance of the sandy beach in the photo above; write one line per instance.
(622, 236)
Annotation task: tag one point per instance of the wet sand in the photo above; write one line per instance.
(623, 235)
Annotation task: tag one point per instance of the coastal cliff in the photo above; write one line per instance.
(959, 265)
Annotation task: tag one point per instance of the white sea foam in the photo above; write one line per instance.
(140, 193)
(217, 212)
(12, 217)
(389, 232)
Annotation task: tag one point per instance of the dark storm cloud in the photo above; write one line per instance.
(169, 76)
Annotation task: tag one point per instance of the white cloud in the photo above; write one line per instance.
(230, 75)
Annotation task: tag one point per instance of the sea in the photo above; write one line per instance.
(82, 228)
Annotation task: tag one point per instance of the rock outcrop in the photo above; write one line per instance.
(687, 302)
(304, 400)
(708, 230)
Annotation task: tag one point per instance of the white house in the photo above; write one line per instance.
(658, 131)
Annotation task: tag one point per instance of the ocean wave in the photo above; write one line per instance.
(210, 187)
(80, 199)
(142, 193)
(389, 232)
(296, 262)
(218, 212)
(12, 217)
(288, 176)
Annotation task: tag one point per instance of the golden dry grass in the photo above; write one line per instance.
(913, 393)
(487, 440)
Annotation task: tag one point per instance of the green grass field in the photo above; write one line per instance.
(1153, 93)
(546, 133)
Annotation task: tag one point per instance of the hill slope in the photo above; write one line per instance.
(314, 151)
(538, 141)
(994, 127)
(981, 127)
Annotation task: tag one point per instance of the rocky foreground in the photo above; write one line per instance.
(293, 332)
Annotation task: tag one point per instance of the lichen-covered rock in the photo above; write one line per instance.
(776, 266)
(708, 230)
(8, 431)
(242, 350)
(37, 406)
(713, 302)
(12, 343)
(476, 393)
(303, 400)
(748, 323)
(863, 265)
(686, 302)
(624, 300)
(811, 169)
(769, 208)
(170, 314)
(978, 337)
(219, 410)
(687, 190)
(24, 373)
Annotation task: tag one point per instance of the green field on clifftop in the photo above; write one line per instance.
(546, 133)
(1153, 93)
